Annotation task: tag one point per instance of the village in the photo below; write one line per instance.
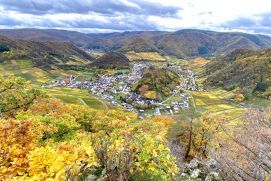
(117, 90)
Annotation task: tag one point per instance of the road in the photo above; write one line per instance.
(82, 101)
(102, 102)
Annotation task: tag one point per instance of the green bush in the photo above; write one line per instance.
(230, 87)
(261, 86)
(4, 48)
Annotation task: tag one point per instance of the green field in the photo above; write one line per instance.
(38, 77)
(26, 69)
(152, 56)
(218, 102)
(77, 96)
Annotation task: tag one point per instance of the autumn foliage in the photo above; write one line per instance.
(16, 94)
(16, 142)
(45, 139)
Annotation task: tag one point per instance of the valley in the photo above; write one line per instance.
(118, 91)
(117, 87)
(174, 115)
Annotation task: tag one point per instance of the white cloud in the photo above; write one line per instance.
(121, 15)
(209, 13)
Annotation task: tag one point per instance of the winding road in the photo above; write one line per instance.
(102, 102)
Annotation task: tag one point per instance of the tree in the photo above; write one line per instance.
(151, 95)
(127, 149)
(4, 48)
(186, 134)
(16, 94)
(16, 142)
(261, 86)
(205, 131)
(62, 162)
(199, 135)
(37, 149)
(134, 152)
(143, 89)
(239, 98)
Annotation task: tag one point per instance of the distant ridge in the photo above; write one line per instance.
(43, 53)
(183, 43)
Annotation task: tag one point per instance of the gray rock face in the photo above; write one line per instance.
(200, 170)
(195, 163)
(195, 173)
(212, 176)
(212, 164)
(91, 178)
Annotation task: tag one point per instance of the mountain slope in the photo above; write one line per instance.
(47, 35)
(159, 80)
(242, 68)
(138, 44)
(183, 43)
(45, 53)
(111, 60)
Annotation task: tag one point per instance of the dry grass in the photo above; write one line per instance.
(154, 56)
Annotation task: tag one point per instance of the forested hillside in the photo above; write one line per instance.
(182, 44)
(157, 81)
(42, 138)
(249, 70)
(47, 53)
(111, 60)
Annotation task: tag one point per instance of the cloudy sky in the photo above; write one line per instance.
(129, 15)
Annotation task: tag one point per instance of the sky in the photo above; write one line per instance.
(251, 16)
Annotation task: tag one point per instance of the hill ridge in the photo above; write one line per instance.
(183, 43)
(42, 53)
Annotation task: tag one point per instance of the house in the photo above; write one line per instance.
(157, 112)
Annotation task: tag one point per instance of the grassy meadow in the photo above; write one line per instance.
(153, 56)
(77, 96)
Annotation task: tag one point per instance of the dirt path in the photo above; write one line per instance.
(178, 151)
(193, 100)
(83, 102)
(102, 102)
(167, 99)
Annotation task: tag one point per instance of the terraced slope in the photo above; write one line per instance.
(249, 70)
